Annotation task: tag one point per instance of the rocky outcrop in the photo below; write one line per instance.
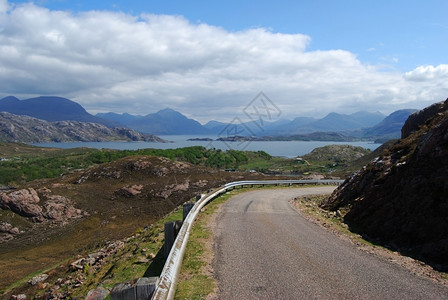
(25, 129)
(7, 232)
(419, 118)
(27, 203)
(129, 191)
(23, 202)
(399, 199)
(60, 209)
(172, 188)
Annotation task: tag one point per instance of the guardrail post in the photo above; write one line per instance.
(186, 209)
(171, 231)
(137, 289)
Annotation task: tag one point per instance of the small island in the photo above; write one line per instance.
(201, 139)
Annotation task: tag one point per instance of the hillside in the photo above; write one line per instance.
(337, 153)
(50, 108)
(24, 129)
(81, 210)
(399, 199)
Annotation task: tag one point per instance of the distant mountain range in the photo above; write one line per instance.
(359, 125)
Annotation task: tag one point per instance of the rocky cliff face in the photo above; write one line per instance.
(15, 128)
(400, 198)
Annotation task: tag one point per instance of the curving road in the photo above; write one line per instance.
(264, 249)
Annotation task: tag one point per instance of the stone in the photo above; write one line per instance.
(8, 229)
(141, 260)
(39, 278)
(130, 191)
(60, 209)
(99, 293)
(23, 202)
(95, 256)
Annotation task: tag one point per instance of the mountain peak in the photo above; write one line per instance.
(49, 108)
(167, 121)
(168, 111)
(9, 99)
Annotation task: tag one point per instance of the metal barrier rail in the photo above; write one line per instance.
(168, 279)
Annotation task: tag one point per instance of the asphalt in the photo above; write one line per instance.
(264, 249)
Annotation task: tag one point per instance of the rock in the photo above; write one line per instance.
(201, 183)
(420, 117)
(44, 191)
(97, 294)
(130, 191)
(142, 260)
(23, 202)
(8, 228)
(92, 258)
(59, 209)
(14, 231)
(18, 297)
(39, 278)
(78, 264)
(42, 285)
(140, 165)
(399, 199)
(6, 237)
(170, 189)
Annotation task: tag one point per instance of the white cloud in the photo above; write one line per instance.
(428, 73)
(4, 6)
(110, 61)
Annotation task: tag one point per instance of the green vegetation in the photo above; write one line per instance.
(22, 163)
(331, 158)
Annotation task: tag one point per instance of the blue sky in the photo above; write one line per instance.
(388, 54)
(401, 33)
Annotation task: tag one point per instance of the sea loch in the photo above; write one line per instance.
(274, 148)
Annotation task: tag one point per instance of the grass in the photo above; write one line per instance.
(122, 266)
(195, 280)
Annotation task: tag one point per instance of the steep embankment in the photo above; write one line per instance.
(399, 199)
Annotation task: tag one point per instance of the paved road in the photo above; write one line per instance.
(266, 250)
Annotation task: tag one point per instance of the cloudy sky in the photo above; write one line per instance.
(209, 59)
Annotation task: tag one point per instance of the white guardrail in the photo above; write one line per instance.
(168, 279)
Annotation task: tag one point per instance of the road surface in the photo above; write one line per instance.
(264, 249)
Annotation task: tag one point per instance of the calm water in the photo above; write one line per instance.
(275, 148)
